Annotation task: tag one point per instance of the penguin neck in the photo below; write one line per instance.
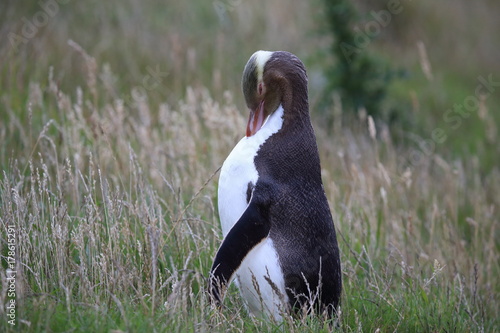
(296, 106)
(296, 121)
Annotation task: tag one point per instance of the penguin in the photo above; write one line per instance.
(279, 245)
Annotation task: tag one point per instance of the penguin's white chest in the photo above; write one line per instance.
(261, 264)
(239, 170)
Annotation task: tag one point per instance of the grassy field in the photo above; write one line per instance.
(116, 116)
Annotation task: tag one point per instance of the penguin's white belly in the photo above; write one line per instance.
(262, 261)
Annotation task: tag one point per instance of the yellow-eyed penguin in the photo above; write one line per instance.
(279, 243)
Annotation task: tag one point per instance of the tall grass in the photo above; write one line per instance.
(111, 186)
(114, 210)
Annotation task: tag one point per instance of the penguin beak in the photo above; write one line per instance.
(256, 119)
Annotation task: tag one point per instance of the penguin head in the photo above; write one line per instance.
(271, 79)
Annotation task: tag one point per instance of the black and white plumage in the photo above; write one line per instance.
(279, 243)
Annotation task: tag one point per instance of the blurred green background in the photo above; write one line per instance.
(425, 58)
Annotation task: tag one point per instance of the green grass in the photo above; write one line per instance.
(113, 198)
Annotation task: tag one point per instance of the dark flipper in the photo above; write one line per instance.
(252, 227)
